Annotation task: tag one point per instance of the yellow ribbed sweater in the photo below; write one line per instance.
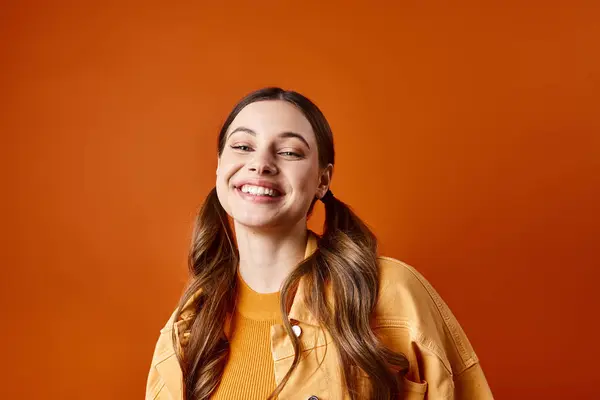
(249, 371)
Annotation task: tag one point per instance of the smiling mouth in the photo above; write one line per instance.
(259, 191)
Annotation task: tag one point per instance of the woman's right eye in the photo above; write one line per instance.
(241, 147)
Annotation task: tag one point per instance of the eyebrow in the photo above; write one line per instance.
(286, 134)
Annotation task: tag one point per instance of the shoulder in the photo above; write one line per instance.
(408, 302)
(404, 293)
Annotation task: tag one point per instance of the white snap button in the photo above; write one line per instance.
(297, 330)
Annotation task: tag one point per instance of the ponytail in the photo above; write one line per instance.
(347, 258)
(212, 262)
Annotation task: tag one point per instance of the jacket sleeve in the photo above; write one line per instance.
(445, 357)
(442, 383)
(431, 374)
(156, 387)
(471, 384)
(412, 319)
(154, 383)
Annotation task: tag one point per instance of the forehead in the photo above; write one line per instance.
(272, 117)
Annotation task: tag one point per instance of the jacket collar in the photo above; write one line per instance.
(299, 311)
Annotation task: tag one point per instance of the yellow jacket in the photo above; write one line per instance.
(410, 318)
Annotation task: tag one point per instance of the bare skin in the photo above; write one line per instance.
(270, 145)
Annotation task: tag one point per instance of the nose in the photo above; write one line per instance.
(262, 164)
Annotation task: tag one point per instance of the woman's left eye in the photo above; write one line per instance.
(290, 154)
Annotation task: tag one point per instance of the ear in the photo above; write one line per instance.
(324, 180)
(218, 164)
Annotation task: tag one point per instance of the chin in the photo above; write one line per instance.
(256, 225)
(254, 220)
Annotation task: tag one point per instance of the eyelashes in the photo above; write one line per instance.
(247, 149)
(241, 147)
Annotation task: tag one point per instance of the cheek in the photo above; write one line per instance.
(227, 168)
(306, 179)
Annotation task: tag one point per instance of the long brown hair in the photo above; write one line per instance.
(346, 258)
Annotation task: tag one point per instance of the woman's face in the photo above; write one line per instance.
(268, 173)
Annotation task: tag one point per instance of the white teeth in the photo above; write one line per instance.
(258, 190)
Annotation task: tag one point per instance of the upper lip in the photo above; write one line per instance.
(259, 182)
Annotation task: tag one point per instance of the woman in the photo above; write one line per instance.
(275, 311)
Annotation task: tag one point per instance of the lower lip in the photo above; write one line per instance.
(259, 199)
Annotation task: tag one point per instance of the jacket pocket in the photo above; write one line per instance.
(414, 390)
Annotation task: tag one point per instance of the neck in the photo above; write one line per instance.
(267, 257)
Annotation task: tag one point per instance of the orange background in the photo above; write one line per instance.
(468, 137)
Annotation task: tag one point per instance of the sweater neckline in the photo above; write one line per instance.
(255, 305)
